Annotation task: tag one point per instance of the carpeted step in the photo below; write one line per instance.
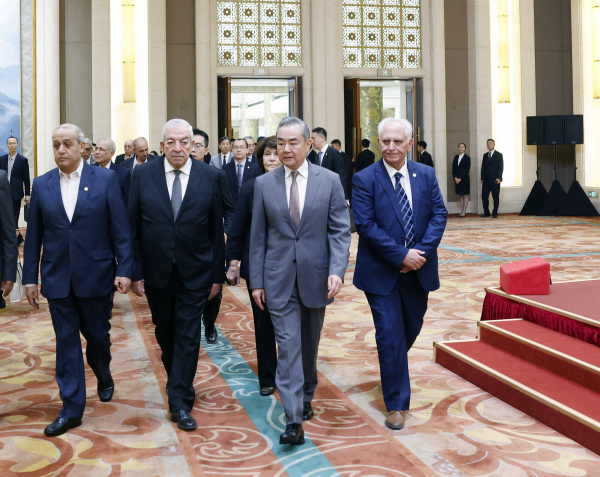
(563, 405)
(563, 355)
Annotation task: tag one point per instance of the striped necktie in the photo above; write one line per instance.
(407, 215)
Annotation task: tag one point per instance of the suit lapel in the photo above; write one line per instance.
(54, 187)
(193, 181)
(385, 181)
(415, 190)
(158, 174)
(281, 195)
(246, 176)
(85, 187)
(312, 186)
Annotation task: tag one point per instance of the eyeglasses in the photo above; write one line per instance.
(239, 148)
(198, 146)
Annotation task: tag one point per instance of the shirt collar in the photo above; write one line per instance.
(107, 166)
(187, 167)
(492, 152)
(302, 170)
(13, 157)
(77, 171)
(392, 172)
(243, 163)
(324, 150)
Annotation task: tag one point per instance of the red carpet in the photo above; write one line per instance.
(552, 377)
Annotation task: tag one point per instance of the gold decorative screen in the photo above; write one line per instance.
(382, 33)
(259, 33)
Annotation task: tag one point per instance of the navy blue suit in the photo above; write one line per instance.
(19, 177)
(128, 163)
(124, 180)
(251, 171)
(78, 269)
(398, 301)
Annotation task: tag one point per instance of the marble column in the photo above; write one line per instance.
(205, 80)
(27, 84)
(47, 80)
(157, 70)
(101, 112)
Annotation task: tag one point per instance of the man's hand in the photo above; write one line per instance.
(233, 274)
(27, 199)
(334, 285)
(482, 182)
(214, 290)
(138, 288)
(123, 284)
(457, 180)
(33, 296)
(413, 260)
(225, 237)
(7, 287)
(498, 181)
(259, 297)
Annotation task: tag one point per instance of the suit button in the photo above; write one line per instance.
(294, 260)
(297, 239)
(70, 231)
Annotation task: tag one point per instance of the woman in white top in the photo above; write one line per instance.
(461, 165)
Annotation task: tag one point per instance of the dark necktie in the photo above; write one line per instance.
(406, 215)
(240, 176)
(176, 195)
(295, 200)
(224, 159)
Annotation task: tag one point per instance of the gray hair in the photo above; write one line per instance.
(128, 140)
(80, 136)
(293, 121)
(134, 141)
(174, 123)
(245, 138)
(87, 141)
(112, 147)
(408, 129)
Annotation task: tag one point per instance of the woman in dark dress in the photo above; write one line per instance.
(461, 165)
(238, 249)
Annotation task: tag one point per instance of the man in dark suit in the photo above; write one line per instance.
(9, 250)
(400, 218)
(251, 147)
(177, 225)
(212, 307)
(492, 168)
(240, 170)
(17, 168)
(141, 155)
(77, 214)
(105, 150)
(425, 158)
(127, 154)
(366, 157)
(337, 145)
(326, 156)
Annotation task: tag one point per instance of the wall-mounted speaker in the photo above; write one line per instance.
(535, 130)
(553, 130)
(574, 129)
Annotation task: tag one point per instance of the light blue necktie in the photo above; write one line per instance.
(320, 156)
(176, 195)
(240, 176)
(407, 215)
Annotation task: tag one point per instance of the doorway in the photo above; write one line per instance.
(368, 102)
(255, 106)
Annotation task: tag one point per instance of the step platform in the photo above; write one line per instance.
(548, 375)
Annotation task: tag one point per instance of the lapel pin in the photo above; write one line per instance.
(414, 175)
(85, 189)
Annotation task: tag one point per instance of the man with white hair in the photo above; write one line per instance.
(105, 150)
(87, 154)
(128, 148)
(400, 218)
(77, 214)
(177, 224)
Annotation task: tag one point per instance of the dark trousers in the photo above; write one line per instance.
(16, 211)
(177, 314)
(71, 315)
(266, 346)
(486, 188)
(398, 320)
(211, 311)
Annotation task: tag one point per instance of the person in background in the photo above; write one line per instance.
(78, 216)
(17, 169)
(212, 307)
(492, 168)
(337, 145)
(128, 147)
(324, 155)
(238, 250)
(9, 250)
(251, 146)
(461, 166)
(240, 170)
(141, 156)
(366, 157)
(225, 156)
(425, 158)
(87, 152)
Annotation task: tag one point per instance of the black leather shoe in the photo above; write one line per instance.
(267, 391)
(294, 435)
(484, 215)
(184, 420)
(61, 425)
(20, 240)
(495, 216)
(167, 389)
(307, 412)
(2, 302)
(106, 393)
(211, 336)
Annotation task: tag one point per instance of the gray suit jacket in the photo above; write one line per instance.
(9, 250)
(280, 254)
(217, 160)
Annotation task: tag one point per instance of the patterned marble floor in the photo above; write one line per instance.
(454, 429)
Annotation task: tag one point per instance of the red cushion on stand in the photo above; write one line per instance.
(526, 277)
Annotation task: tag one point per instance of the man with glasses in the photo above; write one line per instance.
(240, 170)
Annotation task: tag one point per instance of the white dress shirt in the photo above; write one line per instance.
(69, 188)
(136, 163)
(184, 177)
(107, 166)
(11, 164)
(322, 151)
(301, 180)
(460, 156)
(404, 180)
